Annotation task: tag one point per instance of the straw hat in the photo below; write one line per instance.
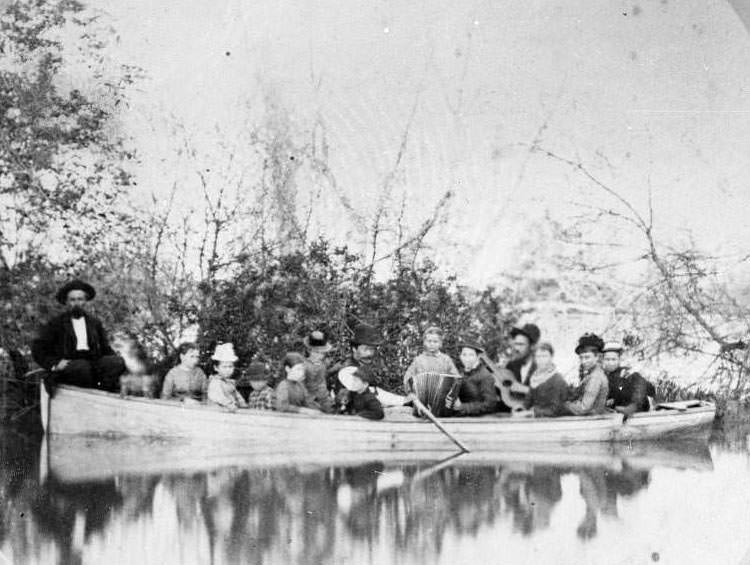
(347, 374)
(225, 352)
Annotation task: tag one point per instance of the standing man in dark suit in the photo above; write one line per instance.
(524, 339)
(73, 345)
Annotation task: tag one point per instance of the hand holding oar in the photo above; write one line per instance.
(426, 412)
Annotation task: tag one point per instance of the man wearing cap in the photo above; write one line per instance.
(628, 390)
(523, 341)
(355, 397)
(73, 345)
(317, 345)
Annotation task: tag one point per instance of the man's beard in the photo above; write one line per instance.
(77, 312)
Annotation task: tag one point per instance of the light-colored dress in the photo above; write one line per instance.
(223, 392)
(181, 383)
(427, 362)
(591, 394)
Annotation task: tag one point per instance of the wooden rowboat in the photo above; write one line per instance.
(95, 413)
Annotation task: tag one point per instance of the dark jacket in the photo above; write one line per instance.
(57, 340)
(514, 367)
(626, 388)
(477, 392)
(548, 399)
(364, 404)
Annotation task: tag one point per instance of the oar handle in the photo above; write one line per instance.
(438, 425)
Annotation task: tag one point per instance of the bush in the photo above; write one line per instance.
(270, 304)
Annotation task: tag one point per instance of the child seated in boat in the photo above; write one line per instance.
(356, 398)
(431, 360)
(317, 346)
(548, 390)
(262, 397)
(291, 394)
(590, 396)
(186, 381)
(221, 387)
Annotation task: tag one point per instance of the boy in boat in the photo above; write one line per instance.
(476, 390)
(262, 397)
(291, 394)
(316, 369)
(186, 381)
(590, 396)
(355, 397)
(432, 359)
(221, 387)
(548, 390)
(628, 390)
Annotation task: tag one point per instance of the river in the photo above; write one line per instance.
(104, 501)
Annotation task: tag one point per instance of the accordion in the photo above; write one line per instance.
(432, 389)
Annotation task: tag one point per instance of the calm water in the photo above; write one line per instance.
(79, 501)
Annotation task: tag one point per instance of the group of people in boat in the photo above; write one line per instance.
(74, 349)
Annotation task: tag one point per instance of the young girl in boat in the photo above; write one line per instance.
(590, 396)
(548, 390)
(432, 359)
(476, 390)
(291, 394)
(186, 381)
(221, 388)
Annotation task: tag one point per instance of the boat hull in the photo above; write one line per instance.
(96, 413)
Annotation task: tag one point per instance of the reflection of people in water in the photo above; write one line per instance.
(531, 496)
(61, 507)
(600, 488)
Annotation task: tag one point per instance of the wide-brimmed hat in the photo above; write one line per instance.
(615, 346)
(62, 294)
(317, 340)
(347, 374)
(472, 342)
(531, 331)
(366, 335)
(225, 352)
(589, 340)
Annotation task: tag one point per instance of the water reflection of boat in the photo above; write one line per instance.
(91, 412)
(76, 458)
(249, 507)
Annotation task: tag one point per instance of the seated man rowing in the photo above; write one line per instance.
(73, 345)
(628, 390)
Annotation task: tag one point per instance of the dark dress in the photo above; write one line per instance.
(97, 367)
(548, 399)
(477, 392)
(626, 388)
(364, 404)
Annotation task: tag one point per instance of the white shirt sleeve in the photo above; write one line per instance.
(82, 338)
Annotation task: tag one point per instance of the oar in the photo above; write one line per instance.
(438, 425)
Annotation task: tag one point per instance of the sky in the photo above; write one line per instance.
(644, 93)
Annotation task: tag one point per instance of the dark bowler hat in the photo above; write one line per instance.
(62, 294)
(589, 341)
(317, 341)
(366, 335)
(472, 342)
(257, 371)
(531, 331)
